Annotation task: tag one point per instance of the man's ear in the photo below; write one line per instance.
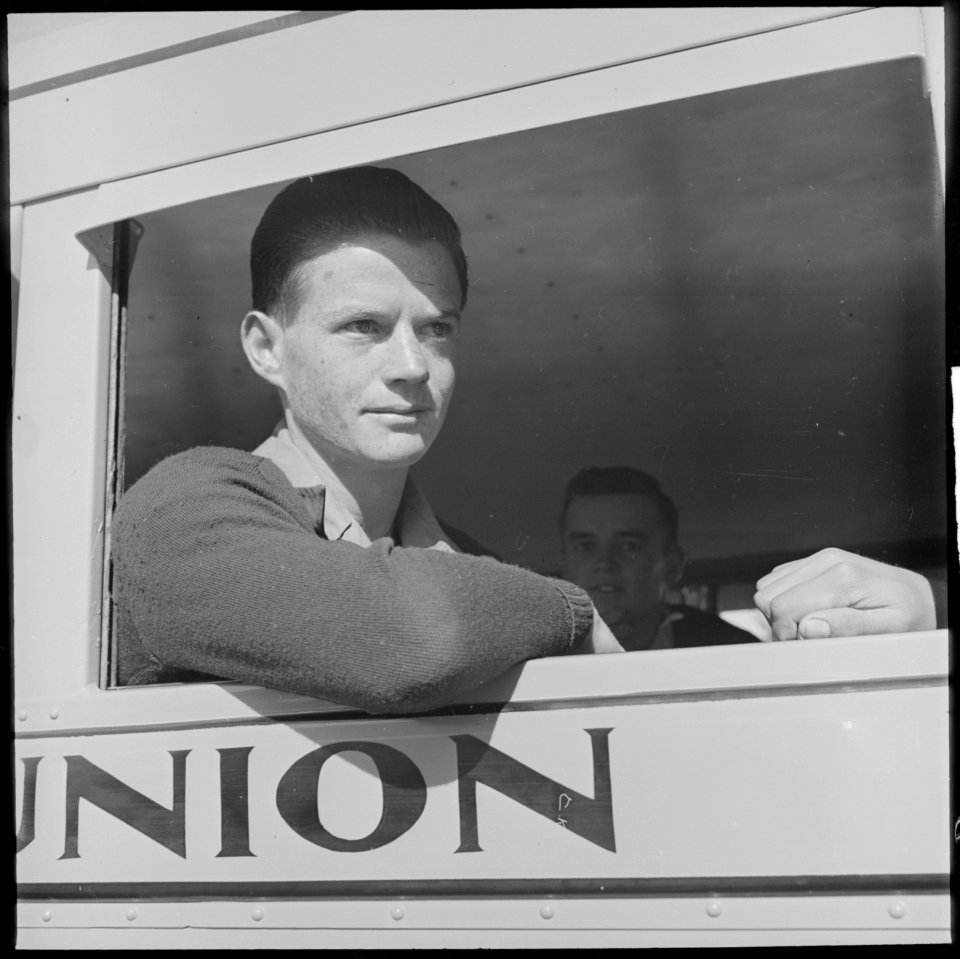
(676, 559)
(262, 339)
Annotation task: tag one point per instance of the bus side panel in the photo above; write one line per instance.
(748, 799)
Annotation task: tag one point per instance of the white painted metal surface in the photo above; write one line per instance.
(934, 55)
(776, 811)
(118, 37)
(854, 928)
(770, 784)
(274, 87)
(16, 236)
(671, 673)
(833, 44)
(59, 440)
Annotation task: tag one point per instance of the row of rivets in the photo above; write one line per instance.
(897, 910)
(53, 714)
(132, 914)
(398, 912)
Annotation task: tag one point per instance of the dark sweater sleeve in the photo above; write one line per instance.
(218, 570)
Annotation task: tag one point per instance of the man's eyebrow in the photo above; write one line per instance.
(365, 313)
(356, 313)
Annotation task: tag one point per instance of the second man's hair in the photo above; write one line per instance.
(604, 480)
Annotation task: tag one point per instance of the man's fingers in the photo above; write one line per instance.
(787, 574)
(778, 572)
(836, 589)
(844, 621)
(836, 593)
(796, 594)
(783, 630)
(851, 622)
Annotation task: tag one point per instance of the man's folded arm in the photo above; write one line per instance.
(216, 576)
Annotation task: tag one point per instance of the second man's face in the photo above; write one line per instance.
(613, 547)
(368, 354)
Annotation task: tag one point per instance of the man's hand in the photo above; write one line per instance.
(836, 593)
(599, 639)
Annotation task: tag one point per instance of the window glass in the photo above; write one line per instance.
(741, 293)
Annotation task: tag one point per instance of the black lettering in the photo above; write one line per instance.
(404, 796)
(234, 802)
(162, 825)
(592, 819)
(28, 814)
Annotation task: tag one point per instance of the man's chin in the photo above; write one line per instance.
(406, 452)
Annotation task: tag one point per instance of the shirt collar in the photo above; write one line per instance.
(417, 524)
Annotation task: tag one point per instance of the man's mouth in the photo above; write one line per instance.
(400, 411)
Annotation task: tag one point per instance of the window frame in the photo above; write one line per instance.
(59, 681)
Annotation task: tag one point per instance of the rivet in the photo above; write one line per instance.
(256, 915)
(714, 908)
(131, 914)
(46, 916)
(547, 911)
(397, 912)
(22, 715)
(54, 712)
(898, 909)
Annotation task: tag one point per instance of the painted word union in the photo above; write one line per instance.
(402, 783)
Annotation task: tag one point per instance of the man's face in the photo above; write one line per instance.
(367, 354)
(614, 548)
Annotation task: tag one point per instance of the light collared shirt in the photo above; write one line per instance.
(416, 522)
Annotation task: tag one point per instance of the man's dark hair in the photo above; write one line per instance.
(315, 214)
(603, 480)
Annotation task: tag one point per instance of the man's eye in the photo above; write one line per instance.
(580, 547)
(631, 548)
(440, 329)
(364, 327)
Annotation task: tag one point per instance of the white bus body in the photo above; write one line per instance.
(762, 794)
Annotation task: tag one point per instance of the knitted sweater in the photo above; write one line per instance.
(220, 572)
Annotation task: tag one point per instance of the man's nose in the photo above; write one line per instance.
(605, 558)
(406, 359)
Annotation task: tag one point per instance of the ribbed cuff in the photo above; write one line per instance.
(581, 611)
